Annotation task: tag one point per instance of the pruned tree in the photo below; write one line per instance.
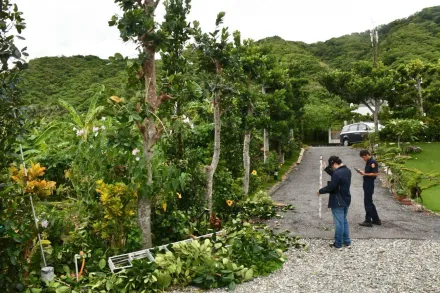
(250, 72)
(138, 25)
(215, 54)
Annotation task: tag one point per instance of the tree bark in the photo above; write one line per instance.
(246, 156)
(375, 111)
(266, 145)
(420, 97)
(148, 129)
(210, 170)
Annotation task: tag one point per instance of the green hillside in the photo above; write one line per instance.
(74, 79)
(417, 36)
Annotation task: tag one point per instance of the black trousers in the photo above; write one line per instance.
(370, 209)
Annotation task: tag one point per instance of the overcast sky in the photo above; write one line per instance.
(80, 27)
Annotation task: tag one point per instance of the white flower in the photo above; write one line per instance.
(44, 223)
(95, 129)
(74, 129)
(137, 158)
(103, 118)
(135, 151)
(103, 127)
(79, 132)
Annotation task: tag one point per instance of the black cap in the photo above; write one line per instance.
(332, 160)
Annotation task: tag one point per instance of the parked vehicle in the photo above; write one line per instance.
(354, 133)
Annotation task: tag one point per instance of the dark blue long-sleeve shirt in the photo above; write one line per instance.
(339, 188)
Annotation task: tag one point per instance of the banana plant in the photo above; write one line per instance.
(82, 126)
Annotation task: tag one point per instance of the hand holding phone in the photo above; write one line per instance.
(358, 170)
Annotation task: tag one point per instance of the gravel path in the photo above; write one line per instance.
(373, 265)
(402, 255)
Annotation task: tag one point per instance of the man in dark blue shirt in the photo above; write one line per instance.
(339, 200)
(370, 174)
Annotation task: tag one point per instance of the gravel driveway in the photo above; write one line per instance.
(402, 255)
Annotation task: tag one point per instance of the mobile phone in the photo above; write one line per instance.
(357, 170)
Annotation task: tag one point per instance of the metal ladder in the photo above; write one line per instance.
(123, 261)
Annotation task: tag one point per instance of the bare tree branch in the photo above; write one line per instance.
(369, 107)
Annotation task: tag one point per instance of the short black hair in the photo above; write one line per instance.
(364, 153)
(334, 160)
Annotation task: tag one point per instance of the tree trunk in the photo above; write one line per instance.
(246, 156)
(149, 138)
(420, 97)
(376, 115)
(144, 220)
(149, 131)
(210, 170)
(266, 144)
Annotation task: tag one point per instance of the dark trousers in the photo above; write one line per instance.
(370, 209)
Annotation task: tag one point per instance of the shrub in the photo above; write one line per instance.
(412, 149)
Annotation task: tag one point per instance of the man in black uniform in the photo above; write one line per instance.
(370, 174)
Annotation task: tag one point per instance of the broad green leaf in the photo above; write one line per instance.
(108, 285)
(66, 269)
(47, 132)
(62, 289)
(102, 263)
(92, 112)
(74, 115)
(249, 275)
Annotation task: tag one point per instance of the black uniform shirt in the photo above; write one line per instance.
(371, 167)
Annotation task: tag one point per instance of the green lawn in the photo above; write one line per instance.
(428, 161)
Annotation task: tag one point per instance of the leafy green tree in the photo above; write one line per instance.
(251, 70)
(412, 81)
(364, 84)
(11, 63)
(215, 54)
(137, 24)
(405, 129)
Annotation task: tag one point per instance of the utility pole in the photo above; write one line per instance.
(374, 41)
(377, 103)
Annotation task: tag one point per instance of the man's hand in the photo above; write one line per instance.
(362, 173)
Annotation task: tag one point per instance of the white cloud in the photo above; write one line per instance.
(80, 27)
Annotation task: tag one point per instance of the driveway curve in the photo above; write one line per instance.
(301, 185)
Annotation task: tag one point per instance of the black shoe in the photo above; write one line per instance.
(366, 224)
(347, 245)
(378, 222)
(332, 245)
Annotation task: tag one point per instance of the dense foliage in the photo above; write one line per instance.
(125, 153)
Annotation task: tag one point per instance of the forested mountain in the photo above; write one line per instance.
(76, 78)
(417, 36)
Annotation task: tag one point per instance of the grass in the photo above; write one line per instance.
(428, 161)
(282, 171)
